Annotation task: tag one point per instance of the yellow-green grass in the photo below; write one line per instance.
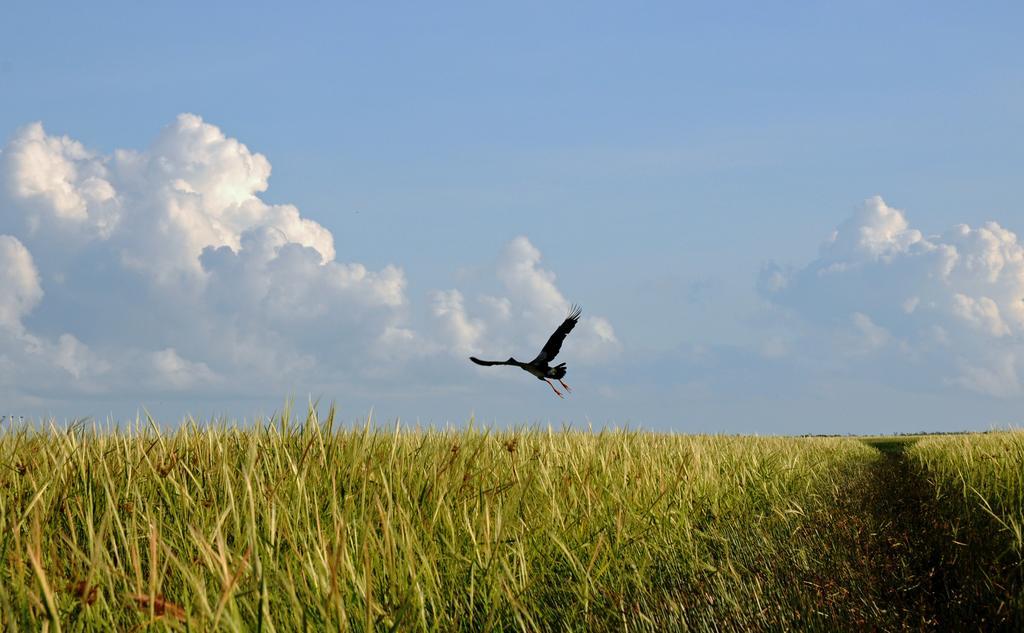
(983, 472)
(304, 525)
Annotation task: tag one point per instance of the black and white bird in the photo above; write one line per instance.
(540, 366)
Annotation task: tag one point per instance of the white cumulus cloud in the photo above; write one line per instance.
(162, 270)
(172, 371)
(19, 283)
(950, 305)
(61, 185)
(519, 321)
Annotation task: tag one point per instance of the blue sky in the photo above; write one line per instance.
(656, 159)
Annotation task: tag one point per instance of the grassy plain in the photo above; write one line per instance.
(978, 473)
(302, 524)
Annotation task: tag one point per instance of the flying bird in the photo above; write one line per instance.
(540, 366)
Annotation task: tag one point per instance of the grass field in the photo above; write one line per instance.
(300, 524)
(979, 474)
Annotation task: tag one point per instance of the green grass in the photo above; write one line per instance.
(979, 473)
(300, 524)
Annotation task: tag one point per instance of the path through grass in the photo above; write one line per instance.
(932, 564)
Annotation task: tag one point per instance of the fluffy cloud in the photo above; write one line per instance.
(520, 320)
(158, 209)
(59, 184)
(180, 276)
(19, 283)
(174, 372)
(461, 332)
(163, 271)
(24, 356)
(948, 306)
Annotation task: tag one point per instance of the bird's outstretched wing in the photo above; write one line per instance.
(554, 344)
(488, 363)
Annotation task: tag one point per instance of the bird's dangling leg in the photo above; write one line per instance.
(568, 389)
(557, 392)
